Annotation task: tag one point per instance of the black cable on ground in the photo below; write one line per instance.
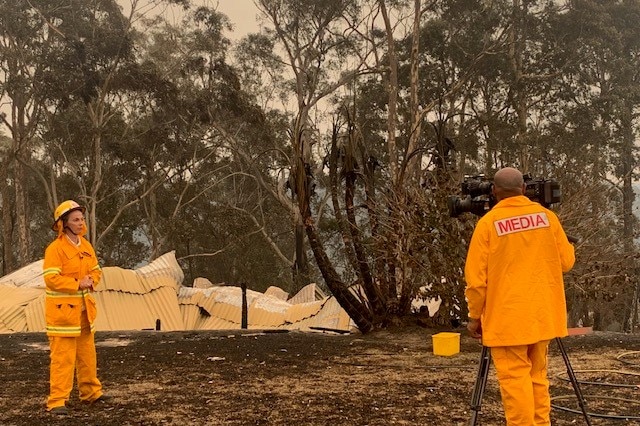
(621, 356)
(597, 415)
(617, 385)
(432, 367)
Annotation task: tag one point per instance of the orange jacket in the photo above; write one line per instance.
(64, 266)
(517, 255)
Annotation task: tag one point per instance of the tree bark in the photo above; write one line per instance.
(354, 307)
(392, 89)
(8, 259)
(628, 218)
(364, 271)
(412, 158)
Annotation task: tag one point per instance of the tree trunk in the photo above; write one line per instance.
(152, 214)
(301, 262)
(364, 271)
(392, 88)
(21, 214)
(519, 99)
(97, 120)
(354, 307)
(628, 218)
(20, 139)
(412, 158)
(8, 260)
(334, 183)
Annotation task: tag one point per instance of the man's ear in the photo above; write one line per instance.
(497, 195)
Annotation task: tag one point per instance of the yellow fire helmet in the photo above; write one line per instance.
(64, 208)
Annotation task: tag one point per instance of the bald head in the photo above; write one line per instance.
(508, 182)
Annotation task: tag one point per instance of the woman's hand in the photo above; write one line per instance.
(86, 283)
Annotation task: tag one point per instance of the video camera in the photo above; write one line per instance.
(478, 198)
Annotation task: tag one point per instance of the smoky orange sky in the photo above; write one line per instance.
(242, 14)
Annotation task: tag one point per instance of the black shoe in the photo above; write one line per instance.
(59, 411)
(103, 399)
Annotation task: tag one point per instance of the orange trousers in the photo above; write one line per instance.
(524, 386)
(69, 356)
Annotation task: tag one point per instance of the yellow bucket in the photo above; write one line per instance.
(446, 344)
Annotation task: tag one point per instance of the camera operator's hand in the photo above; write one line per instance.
(475, 328)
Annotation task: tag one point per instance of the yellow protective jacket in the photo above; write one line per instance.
(517, 255)
(64, 266)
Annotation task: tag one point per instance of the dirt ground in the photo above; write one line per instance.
(254, 377)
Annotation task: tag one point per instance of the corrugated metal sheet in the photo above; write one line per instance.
(199, 297)
(128, 281)
(190, 316)
(228, 312)
(10, 296)
(330, 316)
(119, 310)
(302, 311)
(12, 303)
(215, 323)
(165, 266)
(266, 312)
(309, 293)
(202, 283)
(221, 307)
(233, 295)
(136, 299)
(13, 319)
(28, 276)
(277, 292)
(34, 312)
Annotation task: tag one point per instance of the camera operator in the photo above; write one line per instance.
(515, 294)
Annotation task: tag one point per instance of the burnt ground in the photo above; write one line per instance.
(389, 377)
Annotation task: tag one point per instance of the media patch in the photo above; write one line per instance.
(522, 223)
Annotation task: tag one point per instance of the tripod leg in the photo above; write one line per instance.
(481, 383)
(574, 381)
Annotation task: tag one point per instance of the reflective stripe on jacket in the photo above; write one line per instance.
(517, 255)
(64, 266)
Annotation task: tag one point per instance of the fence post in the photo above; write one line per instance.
(243, 286)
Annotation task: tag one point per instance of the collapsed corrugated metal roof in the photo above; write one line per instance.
(29, 276)
(153, 296)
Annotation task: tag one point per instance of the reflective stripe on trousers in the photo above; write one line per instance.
(71, 356)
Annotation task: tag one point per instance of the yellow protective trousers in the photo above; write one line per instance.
(69, 356)
(524, 386)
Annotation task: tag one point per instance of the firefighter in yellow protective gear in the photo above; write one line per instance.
(71, 271)
(515, 294)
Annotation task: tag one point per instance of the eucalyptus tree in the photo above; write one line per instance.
(95, 43)
(385, 221)
(554, 103)
(489, 82)
(411, 119)
(7, 214)
(439, 63)
(335, 178)
(210, 210)
(319, 46)
(69, 75)
(598, 130)
(24, 44)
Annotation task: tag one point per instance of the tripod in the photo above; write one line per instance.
(483, 373)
